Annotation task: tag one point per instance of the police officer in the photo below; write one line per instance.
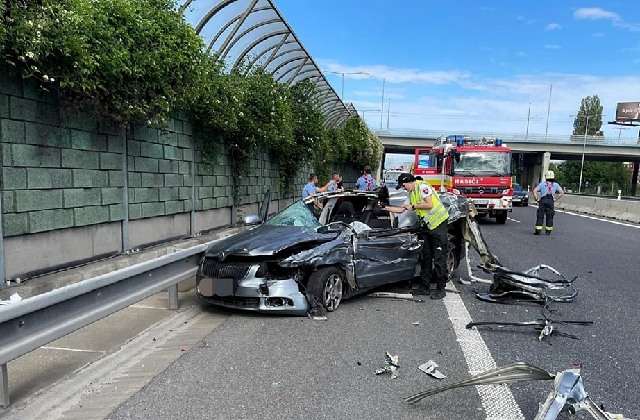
(546, 193)
(433, 215)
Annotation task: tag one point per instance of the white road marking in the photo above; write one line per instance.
(497, 400)
(592, 217)
(74, 350)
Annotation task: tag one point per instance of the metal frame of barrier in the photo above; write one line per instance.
(37, 321)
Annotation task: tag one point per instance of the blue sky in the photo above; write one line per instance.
(475, 66)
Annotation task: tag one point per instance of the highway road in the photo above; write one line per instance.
(207, 363)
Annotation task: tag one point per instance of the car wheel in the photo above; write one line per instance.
(327, 284)
(452, 260)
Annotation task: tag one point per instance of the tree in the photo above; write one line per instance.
(589, 107)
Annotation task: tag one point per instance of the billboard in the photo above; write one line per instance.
(628, 111)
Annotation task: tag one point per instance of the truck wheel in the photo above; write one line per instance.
(501, 218)
(327, 285)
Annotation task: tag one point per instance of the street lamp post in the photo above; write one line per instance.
(584, 146)
(342, 75)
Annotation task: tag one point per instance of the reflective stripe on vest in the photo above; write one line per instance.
(436, 214)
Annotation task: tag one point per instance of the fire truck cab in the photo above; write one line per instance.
(478, 169)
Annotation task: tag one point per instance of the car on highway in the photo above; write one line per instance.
(520, 195)
(303, 257)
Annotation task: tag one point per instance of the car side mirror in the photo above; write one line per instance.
(252, 219)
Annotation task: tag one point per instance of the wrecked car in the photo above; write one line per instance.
(305, 257)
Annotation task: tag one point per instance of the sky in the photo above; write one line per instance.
(492, 66)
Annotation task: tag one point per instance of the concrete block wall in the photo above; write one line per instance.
(65, 198)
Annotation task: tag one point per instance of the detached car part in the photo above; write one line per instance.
(546, 325)
(431, 368)
(508, 286)
(391, 365)
(568, 390)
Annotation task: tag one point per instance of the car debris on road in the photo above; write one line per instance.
(391, 365)
(568, 393)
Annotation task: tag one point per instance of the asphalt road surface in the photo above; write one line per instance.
(255, 366)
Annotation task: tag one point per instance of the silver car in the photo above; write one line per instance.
(304, 256)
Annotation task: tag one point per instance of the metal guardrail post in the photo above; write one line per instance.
(173, 297)
(4, 386)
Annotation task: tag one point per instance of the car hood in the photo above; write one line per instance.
(266, 240)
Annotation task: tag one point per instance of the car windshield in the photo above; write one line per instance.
(487, 163)
(297, 214)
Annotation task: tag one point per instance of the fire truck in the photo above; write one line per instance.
(478, 169)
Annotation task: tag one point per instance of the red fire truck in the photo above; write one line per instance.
(478, 169)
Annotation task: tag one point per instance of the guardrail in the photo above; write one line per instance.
(515, 137)
(31, 323)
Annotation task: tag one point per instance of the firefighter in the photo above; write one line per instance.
(546, 194)
(433, 216)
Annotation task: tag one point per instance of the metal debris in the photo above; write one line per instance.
(391, 365)
(431, 368)
(546, 325)
(405, 296)
(568, 390)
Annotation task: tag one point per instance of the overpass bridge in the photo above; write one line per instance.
(536, 150)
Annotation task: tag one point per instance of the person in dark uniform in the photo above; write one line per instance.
(425, 201)
(546, 194)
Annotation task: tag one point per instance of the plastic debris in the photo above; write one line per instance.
(14, 298)
(431, 368)
(391, 365)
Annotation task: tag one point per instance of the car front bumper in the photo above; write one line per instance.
(253, 293)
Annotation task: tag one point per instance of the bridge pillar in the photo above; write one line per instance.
(546, 158)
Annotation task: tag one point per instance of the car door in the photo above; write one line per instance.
(385, 256)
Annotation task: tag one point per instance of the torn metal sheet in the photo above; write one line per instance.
(431, 368)
(391, 365)
(568, 390)
(527, 285)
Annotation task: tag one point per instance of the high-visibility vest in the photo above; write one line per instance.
(436, 214)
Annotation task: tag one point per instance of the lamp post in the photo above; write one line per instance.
(342, 74)
(584, 146)
(529, 118)
(368, 110)
(382, 106)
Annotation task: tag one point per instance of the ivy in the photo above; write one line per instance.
(135, 61)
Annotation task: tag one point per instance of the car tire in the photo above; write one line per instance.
(327, 284)
(452, 259)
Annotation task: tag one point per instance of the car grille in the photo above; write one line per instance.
(213, 268)
(236, 301)
(480, 190)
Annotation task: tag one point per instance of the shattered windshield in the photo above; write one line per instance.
(297, 214)
(485, 163)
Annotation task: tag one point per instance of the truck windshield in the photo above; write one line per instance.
(484, 163)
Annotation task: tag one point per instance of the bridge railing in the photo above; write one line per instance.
(515, 137)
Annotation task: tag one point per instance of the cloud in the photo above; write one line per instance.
(552, 27)
(398, 75)
(552, 47)
(595, 13)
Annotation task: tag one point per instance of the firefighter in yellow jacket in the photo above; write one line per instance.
(433, 216)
